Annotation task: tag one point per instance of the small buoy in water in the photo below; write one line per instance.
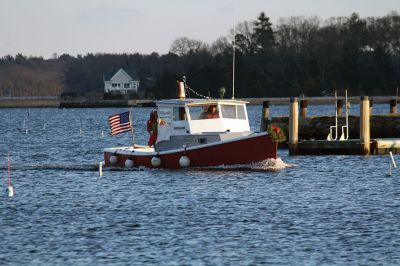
(393, 161)
(390, 170)
(129, 163)
(26, 131)
(102, 134)
(113, 159)
(10, 191)
(156, 161)
(184, 161)
(101, 169)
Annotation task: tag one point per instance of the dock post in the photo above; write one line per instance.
(293, 126)
(364, 126)
(303, 108)
(339, 107)
(371, 105)
(264, 116)
(393, 106)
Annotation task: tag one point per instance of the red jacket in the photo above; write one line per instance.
(152, 129)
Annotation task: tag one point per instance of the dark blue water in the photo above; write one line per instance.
(325, 210)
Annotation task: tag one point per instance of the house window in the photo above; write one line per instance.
(114, 85)
(127, 85)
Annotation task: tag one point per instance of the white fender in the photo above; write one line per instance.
(156, 161)
(184, 161)
(129, 163)
(113, 159)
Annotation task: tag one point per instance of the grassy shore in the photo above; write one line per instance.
(29, 103)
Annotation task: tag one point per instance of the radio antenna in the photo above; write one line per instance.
(233, 57)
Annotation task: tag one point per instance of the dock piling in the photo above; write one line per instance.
(364, 126)
(339, 107)
(293, 126)
(371, 105)
(303, 108)
(393, 106)
(265, 116)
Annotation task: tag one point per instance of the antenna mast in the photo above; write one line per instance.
(233, 58)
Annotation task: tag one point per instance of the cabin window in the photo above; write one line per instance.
(179, 113)
(233, 111)
(164, 115)
(240, 112)
(209, 111)
(127, 85)
(195, 112)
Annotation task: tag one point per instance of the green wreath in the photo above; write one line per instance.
(276, 133)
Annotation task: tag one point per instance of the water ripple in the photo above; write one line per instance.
(292, 211)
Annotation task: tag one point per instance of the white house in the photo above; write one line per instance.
(121, 82)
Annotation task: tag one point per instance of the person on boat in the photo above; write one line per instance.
(212, 112)
(152, 128)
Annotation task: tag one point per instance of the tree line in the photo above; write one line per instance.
(298, 55)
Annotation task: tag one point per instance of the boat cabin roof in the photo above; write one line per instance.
(183, 102)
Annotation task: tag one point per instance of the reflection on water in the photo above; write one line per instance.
(294, 210)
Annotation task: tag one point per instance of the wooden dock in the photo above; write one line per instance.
(347, 147)
(362, 146)
(384, 146)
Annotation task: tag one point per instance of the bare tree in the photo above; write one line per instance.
(244, 32)
(184, 45)
(221, 45)
(297, 32)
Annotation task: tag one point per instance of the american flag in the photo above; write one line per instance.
(119, 123)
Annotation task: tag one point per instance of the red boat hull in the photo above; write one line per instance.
(252, 148)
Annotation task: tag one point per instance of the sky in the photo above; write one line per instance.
(48, 27)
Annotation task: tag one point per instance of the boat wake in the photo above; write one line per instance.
(272, 165)
(60, 167)
(269, 165)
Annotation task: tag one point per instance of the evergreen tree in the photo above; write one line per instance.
(264, 39)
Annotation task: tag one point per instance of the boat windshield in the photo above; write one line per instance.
(233, 111)
(213, 111)
(208, 111)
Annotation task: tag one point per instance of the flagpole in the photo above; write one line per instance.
(133, 131)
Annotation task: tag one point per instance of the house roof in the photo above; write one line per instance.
(132, 73)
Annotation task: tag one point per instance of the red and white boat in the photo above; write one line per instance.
(187, 138)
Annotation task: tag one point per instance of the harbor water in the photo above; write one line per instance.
(301, 210)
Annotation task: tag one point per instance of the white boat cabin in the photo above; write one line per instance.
(199, 121)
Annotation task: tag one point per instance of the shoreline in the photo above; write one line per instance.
(47, 102)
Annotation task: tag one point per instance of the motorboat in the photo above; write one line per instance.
(197, 133)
